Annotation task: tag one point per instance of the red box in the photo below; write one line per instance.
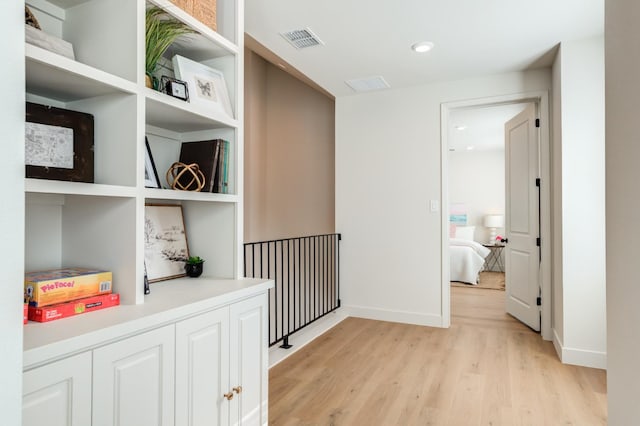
(24, 313)
(70, 309)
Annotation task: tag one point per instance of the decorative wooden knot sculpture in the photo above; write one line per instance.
(185, 177)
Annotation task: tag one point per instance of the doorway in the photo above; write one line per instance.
(506, 103)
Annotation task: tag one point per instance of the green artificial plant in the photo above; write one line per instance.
(161, 31)
(194, 260)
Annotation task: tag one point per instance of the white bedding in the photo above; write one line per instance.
(466, 260)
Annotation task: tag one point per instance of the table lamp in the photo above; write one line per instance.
(493, 221)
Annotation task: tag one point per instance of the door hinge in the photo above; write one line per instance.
(537, 122)
(538, 182)
(538, 241)
(539, 301)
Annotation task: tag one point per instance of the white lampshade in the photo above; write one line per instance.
(494, 221)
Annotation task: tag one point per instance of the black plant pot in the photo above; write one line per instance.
(194, 270)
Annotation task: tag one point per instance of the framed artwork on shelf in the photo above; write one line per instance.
(165, 242)
(151, 179)
(207, 86)
(58, 144)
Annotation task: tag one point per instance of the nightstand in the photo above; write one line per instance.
(494, 259)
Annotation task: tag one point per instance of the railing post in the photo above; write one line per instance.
(285, 343)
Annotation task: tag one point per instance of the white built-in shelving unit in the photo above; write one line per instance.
(193, 351)
(100, 225)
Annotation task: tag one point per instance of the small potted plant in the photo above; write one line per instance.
(194, 266)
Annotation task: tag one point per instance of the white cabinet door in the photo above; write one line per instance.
(133, 380)
(202, 369)
(58, 394)
(249, 361)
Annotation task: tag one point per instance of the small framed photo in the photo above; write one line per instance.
(165, 242)
(58, 144)
(207, 86)
(151, 179)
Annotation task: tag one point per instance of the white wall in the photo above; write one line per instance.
(12, 211)
(582, 339)
(623, 203)
(476, 178)
(387, 170)
(557, 322)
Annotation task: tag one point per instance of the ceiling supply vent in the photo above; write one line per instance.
(301, 39)
(368, 84)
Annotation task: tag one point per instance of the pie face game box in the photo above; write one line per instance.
(46, 288)
(76, 307)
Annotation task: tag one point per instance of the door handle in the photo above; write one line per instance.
(504, 240)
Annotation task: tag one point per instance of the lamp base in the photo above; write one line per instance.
(492, 237)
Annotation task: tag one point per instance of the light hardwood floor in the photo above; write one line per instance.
(487, 369)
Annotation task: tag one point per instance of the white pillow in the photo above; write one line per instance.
(465, 232)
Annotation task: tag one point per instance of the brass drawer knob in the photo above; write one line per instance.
(237, 389)
(229, 396)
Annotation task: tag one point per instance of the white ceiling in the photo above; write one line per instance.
(366, 38)
(482, 129)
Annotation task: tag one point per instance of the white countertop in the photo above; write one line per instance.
(168, 302)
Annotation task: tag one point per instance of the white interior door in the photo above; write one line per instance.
(522, 255)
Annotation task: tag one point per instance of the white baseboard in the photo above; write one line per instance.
(306, 335)
(581, 357)
(395, 316)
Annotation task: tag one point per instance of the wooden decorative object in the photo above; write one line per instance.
(30, 19)
(185, 177)
(203, 10)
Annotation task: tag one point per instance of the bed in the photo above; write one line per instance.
(466, 258)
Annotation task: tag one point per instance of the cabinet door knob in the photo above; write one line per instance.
(229, 396)
(237, 389)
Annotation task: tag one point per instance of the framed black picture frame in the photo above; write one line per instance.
(151, 179)
(59, 144)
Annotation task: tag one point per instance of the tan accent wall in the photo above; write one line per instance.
(289, 155)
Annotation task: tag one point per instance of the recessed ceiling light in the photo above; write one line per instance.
(461, 127)
(423, 46)
(470, 148)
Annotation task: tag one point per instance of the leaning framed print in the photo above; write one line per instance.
(207, 86)
(58, 144)
(151, 179)
(165, 242)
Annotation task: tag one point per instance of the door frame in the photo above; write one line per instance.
(541, 99)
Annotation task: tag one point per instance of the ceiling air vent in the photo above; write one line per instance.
(301, 39)
(368, 84)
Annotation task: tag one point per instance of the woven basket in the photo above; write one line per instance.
(203, 10)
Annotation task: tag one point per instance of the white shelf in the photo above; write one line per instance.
(179, 116)
(208, 44)
(54, 76)
(170, 194)
(45, 186)
(168, 301)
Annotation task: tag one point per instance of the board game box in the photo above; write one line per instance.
(47, 288)
(70, 309)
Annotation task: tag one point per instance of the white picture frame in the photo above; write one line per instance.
(207, 86)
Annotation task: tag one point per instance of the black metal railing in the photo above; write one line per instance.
(306, 273)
